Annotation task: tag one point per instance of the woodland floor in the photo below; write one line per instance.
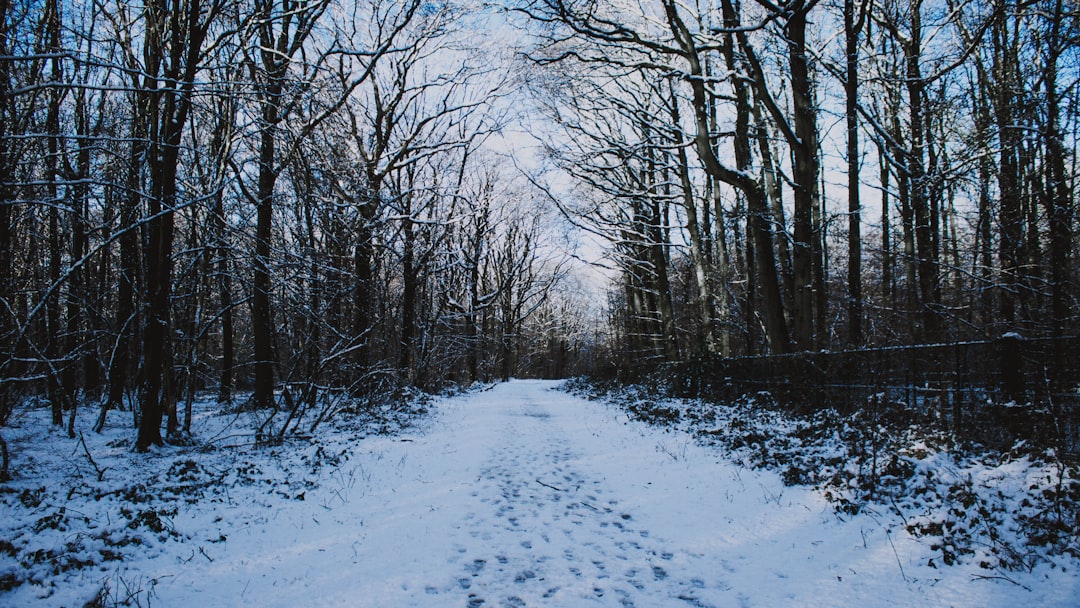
(518, 495)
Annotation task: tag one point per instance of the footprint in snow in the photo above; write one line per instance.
(476, 566)
(624, 599)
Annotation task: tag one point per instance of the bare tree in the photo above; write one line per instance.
(172, 59)
(282, 30)
(854, 19)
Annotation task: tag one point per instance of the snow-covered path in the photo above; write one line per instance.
(525, 496)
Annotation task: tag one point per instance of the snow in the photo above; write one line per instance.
(518, 495)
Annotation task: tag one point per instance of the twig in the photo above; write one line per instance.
(1000, 577)
(594, 507)
(899, 512)
(100, 471)
(547, 485)
(888, 535)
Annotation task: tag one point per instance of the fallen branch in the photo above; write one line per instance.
(594, 507)
(100, 471)
(999, 577)
(547, 485)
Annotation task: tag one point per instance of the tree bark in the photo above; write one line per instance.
(807, 254)
(7, 326)
(262, 318)
(409, 288)
(740, 178)
(176, 35)
(705, 301)
(1060, 203)
(888, 282)
(852, 26)
(927, 262)
(56, 391)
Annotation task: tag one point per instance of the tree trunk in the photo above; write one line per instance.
(126, 320)
(722, 269)
(807, 246)
(752, 302)
(1060, 200)
(262, 317)
(56, 391)
(888, 282)
(662, 287)
(757, 204)
(169, 106)
(364, 311)
(984, 231)
(74, 375)
(159, 288)
(927, 262)
(409, 280)
(775, 191)
(722, 255)
(907, 223)
(220, 249)
(7, 325)
(473, 260)
(851, 102)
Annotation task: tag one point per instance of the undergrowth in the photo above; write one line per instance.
(60, 516)
(1002, 510)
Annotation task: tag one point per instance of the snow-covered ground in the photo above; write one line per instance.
(520, 495)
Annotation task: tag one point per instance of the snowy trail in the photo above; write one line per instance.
(525, 496)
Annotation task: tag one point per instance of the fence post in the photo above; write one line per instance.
(1010, 346)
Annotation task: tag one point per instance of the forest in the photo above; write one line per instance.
(293, 203)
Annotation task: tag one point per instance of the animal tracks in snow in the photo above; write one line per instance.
(543, 530)
(522, 495)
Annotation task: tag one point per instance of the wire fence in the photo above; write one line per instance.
(994, 392)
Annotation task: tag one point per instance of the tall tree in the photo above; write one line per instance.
(915, 161)
(1003, 96)
(698, 246)
(853, 23)
(53, 177)
(800, 132)
(282, 30)
(172, 53)
(734, 47)
(1060, 199)
(8, 326)
(126, 325)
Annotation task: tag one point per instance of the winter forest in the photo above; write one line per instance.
(301, 211)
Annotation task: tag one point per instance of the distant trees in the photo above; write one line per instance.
(292, 198)
(270, 194)
(705, 131)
